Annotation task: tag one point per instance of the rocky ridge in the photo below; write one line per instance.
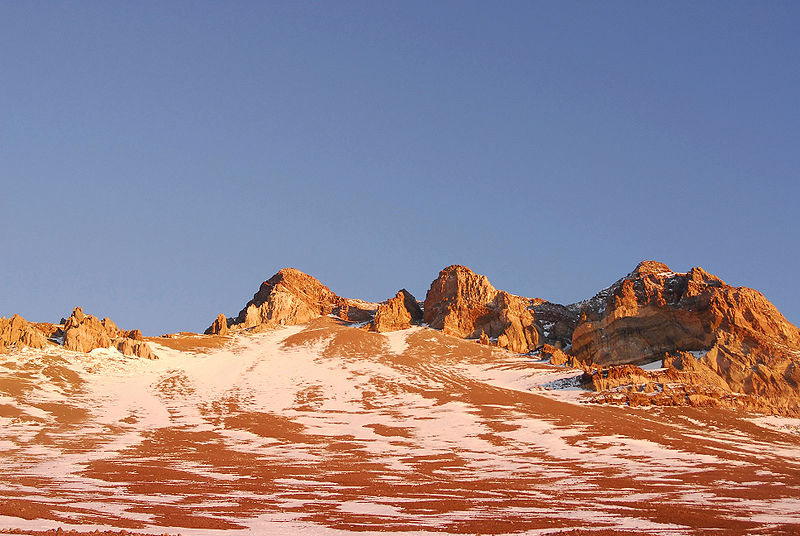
(79, 333)
(292, 297)
(465, 304)
(718, 344)
(729, 340)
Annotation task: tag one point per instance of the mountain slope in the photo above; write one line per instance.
(326, 428)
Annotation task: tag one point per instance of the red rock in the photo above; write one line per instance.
(219, 327)
(292, 297)
(463, 303)
(742, 342)
(555, 355)
(84, 333)
(16, 331)
(397, 313)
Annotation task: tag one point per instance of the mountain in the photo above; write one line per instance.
(329, 429)
(474, 411)
(716, 345)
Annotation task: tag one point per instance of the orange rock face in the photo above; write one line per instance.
(219, 327)
(716, 331)
(397, 313)
(84, 333)
(292, 297)
(16, 331)
(463, 303)
(80, 333)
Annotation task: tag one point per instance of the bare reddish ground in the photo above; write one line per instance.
(409, 441)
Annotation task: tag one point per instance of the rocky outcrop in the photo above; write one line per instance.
(80, 333)
(219, 327)
(292, 297)
(653, 311)
(84, 333)
(731, 339)
(554, 355)
(397, 313)
(463, 303)
(16, 331)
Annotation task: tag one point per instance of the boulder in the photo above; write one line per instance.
(555, 355)
(397, 313)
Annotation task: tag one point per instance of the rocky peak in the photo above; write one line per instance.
(465, 304)
(456, 285)
(650, 268)
(219, 327)
(397, 313)
(293, 297)
(731, 331)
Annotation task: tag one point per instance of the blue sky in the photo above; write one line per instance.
(160, 159)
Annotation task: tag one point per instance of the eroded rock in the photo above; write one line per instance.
(84, 333)
(728, 339)
(463, 303)
(219, 327)
(397, 313)
(293, 297)
(16, 331)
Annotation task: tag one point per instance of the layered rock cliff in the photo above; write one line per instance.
(729, 338)
(653, 311)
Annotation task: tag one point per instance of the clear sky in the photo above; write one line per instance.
(158, 160)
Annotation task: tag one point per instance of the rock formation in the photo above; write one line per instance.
(292, 297)
(219, 327)
(16, 331)
(397, 313)
(84, 333)
(463, 303)
(79, 333)
(730, 338)
(653, 311)
(555, 355)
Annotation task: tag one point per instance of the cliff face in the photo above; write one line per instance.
(463, 303)
(16, 331)
(653, 311)
(726, 338)
(84, 333)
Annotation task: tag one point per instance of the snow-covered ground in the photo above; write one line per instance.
(328, 429)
